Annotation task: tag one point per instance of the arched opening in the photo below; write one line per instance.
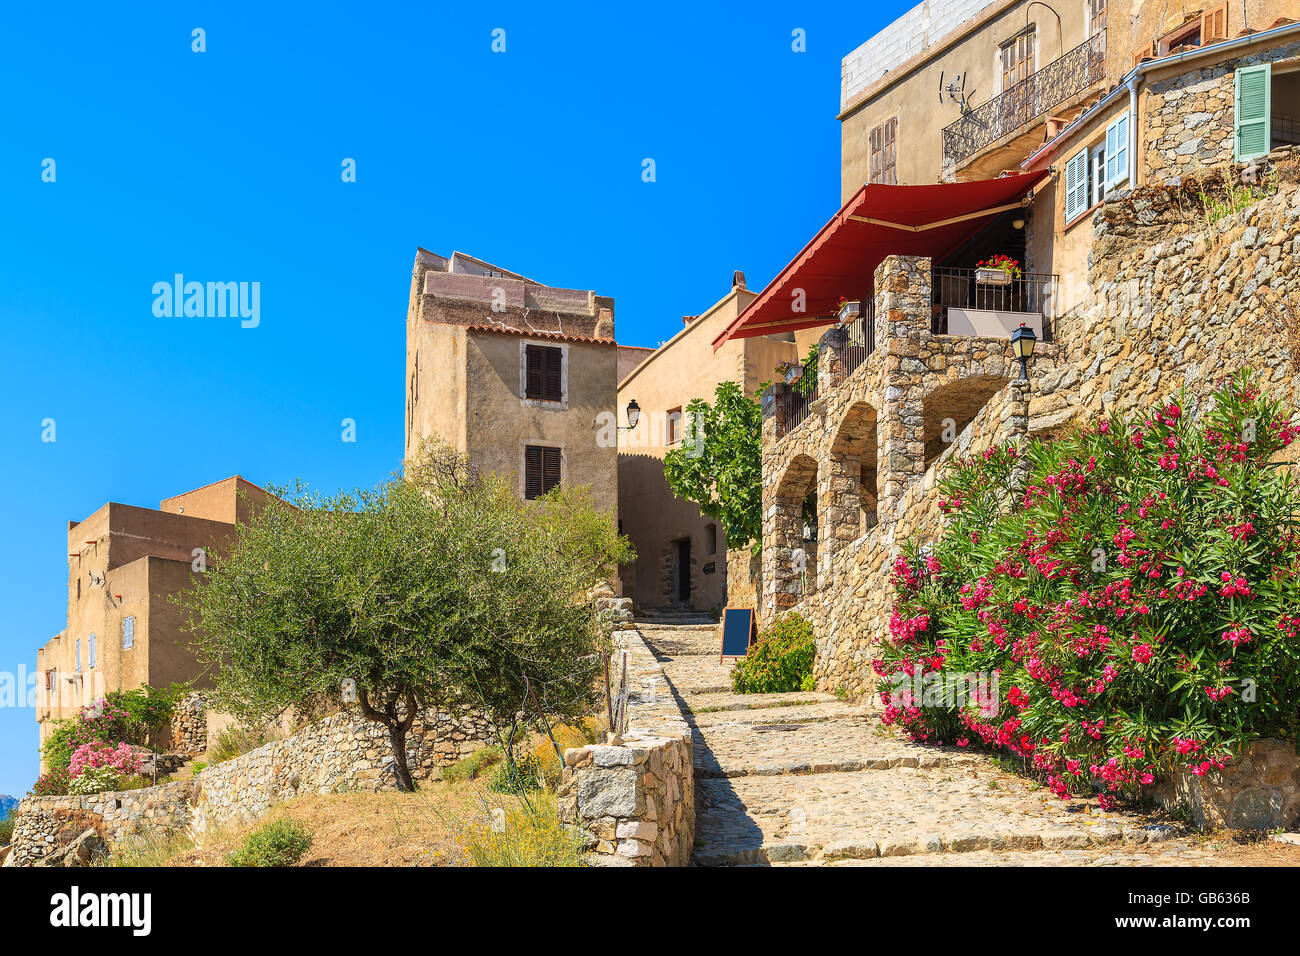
(951, 407)
(853, 480)
(796, 532)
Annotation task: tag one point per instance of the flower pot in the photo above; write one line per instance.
(992, 277)
(849, 311)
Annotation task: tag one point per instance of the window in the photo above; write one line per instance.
(1085, 181)
(128, 632)
(541, 470)
(1210, 27)
(673, 428)
(1252, 88)
(91, 650)
(542, 373)
(77, 651)
(50, 681)
(884, 153)
(711, 539)
(1096, 17)
(1117, 160)
(1016, 58)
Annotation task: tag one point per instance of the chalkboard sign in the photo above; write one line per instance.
(739, 631)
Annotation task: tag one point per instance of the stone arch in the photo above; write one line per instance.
(795, 495)
(851, 490)
(951, 406)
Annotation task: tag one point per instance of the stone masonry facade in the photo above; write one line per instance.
(633, 798)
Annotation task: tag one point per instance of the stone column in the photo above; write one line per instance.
(830, 359)
(903, 317)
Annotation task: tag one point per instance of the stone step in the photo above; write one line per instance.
(708, 768)
(896, 813)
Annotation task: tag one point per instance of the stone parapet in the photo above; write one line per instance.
(633, 799)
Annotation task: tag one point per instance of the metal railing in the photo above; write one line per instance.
(793, 408)
(861, 342)
(1285, 130)
(1066, 76)
(958, 288)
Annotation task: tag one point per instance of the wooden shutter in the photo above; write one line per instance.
(1117, 158)
(1251, 101)
(550, 469)
(889, 158)
(551, 383)
(1214, 25)
(877, 154)
(533, 371)
(532, 471)
(1076, 185)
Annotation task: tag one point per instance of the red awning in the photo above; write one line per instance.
(877, 221)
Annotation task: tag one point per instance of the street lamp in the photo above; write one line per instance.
(633, 414)
(1023, 341)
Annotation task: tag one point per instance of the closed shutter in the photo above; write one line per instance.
(92, 650)
(1117, 151)
(1252, 92)
(128, 632)
(541, 470)
(542, 375)
(889, 162)
(1214, 25)
(550, 469)
(1076, 185)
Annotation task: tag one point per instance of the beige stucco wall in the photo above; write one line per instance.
(911, 92)
(685, 368)
(499, 422)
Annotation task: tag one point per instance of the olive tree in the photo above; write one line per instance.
(439, 590)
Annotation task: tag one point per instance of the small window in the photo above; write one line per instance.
(1076, 185)
(1096, 17)
(1016, 58)
(77, 651)
(1117, 158)
(128, 632)
(541, 470)
(91, 650)
(884, 153)
(49, 682)
(673, 428)
(542, 378)
(711, 539)
(1098, 172)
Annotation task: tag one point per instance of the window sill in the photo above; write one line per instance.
(1083, 216)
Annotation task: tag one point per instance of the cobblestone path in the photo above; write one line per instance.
(805, 779)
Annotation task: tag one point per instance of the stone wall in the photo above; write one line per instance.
(44, 824)
(1189, 118)
(345, 752)
(1258, 791)
(633, 799)
(189, 726)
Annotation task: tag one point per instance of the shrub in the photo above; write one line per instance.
(518, 776)
(95, 756)
(280, 843)
(469, 768)
(94, 780)
(234, 742)
(103, 722)
(1130, 593)
(7, 826)
(533, 836)
(52, 783)
(781, 660)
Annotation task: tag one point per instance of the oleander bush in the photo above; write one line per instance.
(781, 660)
(1112, 605)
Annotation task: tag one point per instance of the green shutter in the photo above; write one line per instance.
(1252, 93)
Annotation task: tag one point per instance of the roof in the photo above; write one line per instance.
(876, 222)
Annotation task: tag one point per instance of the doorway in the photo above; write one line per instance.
(683, 582)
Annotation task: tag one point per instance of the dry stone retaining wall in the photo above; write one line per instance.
(633, 799)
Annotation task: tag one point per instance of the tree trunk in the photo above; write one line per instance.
(397, 738)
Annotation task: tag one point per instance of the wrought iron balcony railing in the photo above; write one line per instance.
(1043, 91)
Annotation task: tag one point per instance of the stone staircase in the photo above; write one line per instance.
(807, 779)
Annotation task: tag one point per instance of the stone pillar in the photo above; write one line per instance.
(771, 554)
(903, 321)
(830, 359)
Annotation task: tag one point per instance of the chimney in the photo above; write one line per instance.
(738, 280)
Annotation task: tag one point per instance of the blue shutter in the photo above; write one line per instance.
(1117, 158)
(78, 651)
(1252, 91)
(1076, 185)
(128, 632)
(92, 650)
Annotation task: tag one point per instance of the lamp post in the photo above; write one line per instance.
(1023, 341)
(633, 414)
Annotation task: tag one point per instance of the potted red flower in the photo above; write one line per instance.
(997, 270)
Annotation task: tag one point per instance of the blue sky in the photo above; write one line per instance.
(226, 166)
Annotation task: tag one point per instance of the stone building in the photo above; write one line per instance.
(519, 376)
(124, 564)
(681, 554)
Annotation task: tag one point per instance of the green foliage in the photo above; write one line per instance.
(533, 836)
(781, 660)
(440, 590)
(132, 716)
(53, 782)
(94, 780)
(279, 843)
(148, 709)
(719, 464)
(7, 826)
(235, 741)
(470, 767)
(1135, 587)
(521, 775)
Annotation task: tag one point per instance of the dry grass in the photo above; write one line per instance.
(432, 827)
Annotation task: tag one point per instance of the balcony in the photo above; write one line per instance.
(965, 305)
(1010, 112)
